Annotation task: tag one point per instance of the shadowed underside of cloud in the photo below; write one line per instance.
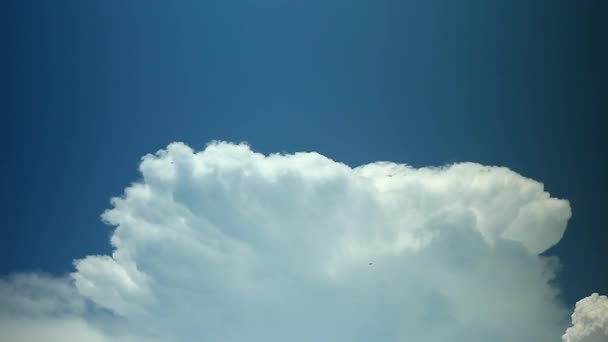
(226, 244)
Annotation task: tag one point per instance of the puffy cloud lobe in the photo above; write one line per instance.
(589, 320)
(226, 244)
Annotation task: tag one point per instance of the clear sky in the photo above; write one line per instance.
(98, 84)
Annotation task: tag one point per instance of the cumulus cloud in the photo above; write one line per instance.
(589, 320)
(226, 244)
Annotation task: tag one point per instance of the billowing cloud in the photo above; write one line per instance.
(226, 244)
(589, 320)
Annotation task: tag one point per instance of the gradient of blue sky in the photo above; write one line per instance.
(98, 85)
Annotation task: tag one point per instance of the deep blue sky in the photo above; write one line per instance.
(94, 85)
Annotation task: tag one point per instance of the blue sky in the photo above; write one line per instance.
(97, 85)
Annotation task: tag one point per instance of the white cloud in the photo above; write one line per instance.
(589, 320)
(230, 245)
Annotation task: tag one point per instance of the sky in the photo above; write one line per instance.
(516, 89)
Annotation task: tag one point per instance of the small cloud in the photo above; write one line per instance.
(589, 320)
